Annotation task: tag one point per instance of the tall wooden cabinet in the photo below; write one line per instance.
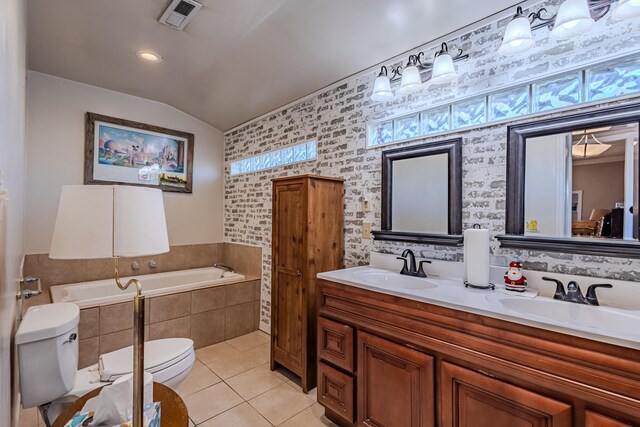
(308, 236)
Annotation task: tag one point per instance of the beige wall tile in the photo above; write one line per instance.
(243, 258)
(56, 271)
(99, 269)
(30, 267)
(88, 352)
(116, 341)
(207, 299)
(239, 320)
(256, 314)
(89, 325)
(207, 328)
(174, 328)
(170, 307)
(116, 317)
(238, 293)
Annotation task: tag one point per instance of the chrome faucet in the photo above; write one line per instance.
(224, 267)
(574, 294)
(411, 270)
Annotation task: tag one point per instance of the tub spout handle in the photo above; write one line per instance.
(224, 267)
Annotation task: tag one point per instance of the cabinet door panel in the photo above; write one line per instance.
(470, 399)
(288, 337)
(593, 419)
(395, 384)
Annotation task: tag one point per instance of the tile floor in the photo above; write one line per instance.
(231, 385)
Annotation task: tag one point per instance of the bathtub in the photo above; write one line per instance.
(104, 292)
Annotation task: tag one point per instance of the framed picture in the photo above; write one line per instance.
(119, 151)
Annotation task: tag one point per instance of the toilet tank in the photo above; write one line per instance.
(47, 341)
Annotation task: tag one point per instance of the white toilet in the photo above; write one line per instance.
(47, 341)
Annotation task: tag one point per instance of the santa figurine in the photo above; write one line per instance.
(513, 278)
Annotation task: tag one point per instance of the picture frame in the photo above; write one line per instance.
(120, 151)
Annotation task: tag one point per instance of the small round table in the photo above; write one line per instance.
(173, 411)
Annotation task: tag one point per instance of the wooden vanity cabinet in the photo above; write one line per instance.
(418, 364)
(308, 230)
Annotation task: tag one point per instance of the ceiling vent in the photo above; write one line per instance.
(179, 13)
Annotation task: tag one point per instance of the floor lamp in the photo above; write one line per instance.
(97, 221)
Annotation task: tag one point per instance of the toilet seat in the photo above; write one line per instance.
(158, 355)
(169, 360)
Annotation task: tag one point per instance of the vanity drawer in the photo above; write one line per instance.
(336, 391)
(335, 343)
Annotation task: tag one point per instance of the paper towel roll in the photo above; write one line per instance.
(476, 256)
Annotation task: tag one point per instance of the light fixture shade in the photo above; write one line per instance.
(517, 37)
(586, 150)
(96, 221)
(411, 80)
(382, 89)
(573, 19)
(443, 70)
(627, 9)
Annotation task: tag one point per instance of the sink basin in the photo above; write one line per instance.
(576, 315)
(387, 279)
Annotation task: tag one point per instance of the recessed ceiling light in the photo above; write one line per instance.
(149, 56)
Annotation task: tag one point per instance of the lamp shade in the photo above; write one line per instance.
(443, 70)
(573, 19)
(627, 9)
(517, 37)
(411, 81)
(382, 89)
(95, 221)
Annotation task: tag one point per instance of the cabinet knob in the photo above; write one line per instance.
(298, 273)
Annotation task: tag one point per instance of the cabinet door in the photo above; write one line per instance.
(395, 384)
(594, 419)
(470, 399)
(288, 294)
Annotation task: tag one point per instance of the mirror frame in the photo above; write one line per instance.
(516, 160)
(452, 147)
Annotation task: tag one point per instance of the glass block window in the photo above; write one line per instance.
(557, 92)
(381, 133)
(436, 120)
(285, 156)
(510, 103)
(613, 79)
(406, 127)
(470, 112)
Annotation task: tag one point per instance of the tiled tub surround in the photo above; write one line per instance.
(207, 316)
(337, 119)
(243, 258)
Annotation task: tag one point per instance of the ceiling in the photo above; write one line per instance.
(237, 59)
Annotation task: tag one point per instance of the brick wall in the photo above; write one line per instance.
(337, 119)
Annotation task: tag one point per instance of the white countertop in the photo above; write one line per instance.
(606, 324)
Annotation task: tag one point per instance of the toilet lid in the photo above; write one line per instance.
(158, 355)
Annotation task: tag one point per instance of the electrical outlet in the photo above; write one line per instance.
(366, 206)
(366, 230)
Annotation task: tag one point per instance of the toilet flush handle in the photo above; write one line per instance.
(72, 338)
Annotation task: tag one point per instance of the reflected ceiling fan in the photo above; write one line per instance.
(588, 145)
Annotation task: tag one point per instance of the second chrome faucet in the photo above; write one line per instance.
(574, 294)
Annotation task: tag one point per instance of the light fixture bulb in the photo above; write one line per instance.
(627, 9)
(149, 56)
(517, 36)
(382, 87)
(411, 80)
(573, 19)
(443, 69)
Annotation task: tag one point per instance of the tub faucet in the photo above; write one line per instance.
(224, 267)
(574, 294)
(411, 270)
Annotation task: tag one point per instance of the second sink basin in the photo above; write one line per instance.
(394, 280)
(579, 315)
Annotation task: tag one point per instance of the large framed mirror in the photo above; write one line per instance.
(422, 193)
(573, 183)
